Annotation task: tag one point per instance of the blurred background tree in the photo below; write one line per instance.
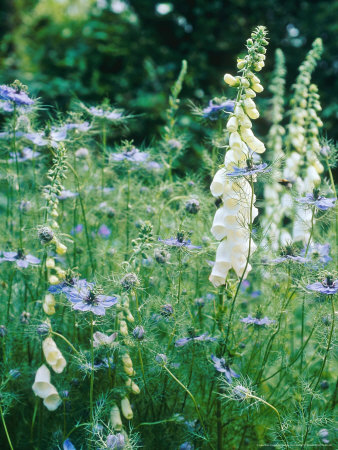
(131, 51)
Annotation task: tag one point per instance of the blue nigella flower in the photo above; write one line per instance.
(214, 110)
(249, 170)
(76, 230)
(51, 137)
(105, 114)
(116, 441)
(133, 155)
(13, 95)
(320, 202)
(84, 298)
(153, 165)
(328, 286)
(179, 242)
(202, 338)
(67, 194)
(257, 321)
(26, 154)
(221, 366)
(67, 284)
(67, 445)
(318, 252)
(104, 231)
(186, 446)
(83, 126)
(20, 258)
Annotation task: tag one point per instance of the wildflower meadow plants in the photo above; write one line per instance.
(140, 311)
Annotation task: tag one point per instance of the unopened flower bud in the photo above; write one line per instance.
(230, 80)
(61, 249)
(25, 317)
(192, 206)
(123, 328)
(232, 124)
(126, 408)
(257, 88)
(53, 279)
(138, 333)
(50, 263)
(115, 418)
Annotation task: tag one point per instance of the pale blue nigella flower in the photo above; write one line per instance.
(214, 111)
(257, 321)
(320, 202)
(249, 170)
(221, 366)
(84, 298)
(202, 338)
(328, 286)
(20, 258)
(26, 154)
(133, 155)
(18, 97)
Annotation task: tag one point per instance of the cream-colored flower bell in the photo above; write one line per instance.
(43, 388)
(53, 355)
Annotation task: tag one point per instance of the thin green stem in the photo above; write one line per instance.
(91, 391)
(66, 340)
(192, 398)
(5, 427)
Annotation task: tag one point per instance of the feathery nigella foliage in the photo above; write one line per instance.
(111, 334)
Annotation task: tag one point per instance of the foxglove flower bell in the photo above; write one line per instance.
(43, 388)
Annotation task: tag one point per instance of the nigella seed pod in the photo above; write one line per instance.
(43, 329)
(129, 281)
(192, 206)
(167, 310)
(46, 235)
(138, 333)
(324, 385)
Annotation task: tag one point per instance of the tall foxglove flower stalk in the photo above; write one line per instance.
(272, 190)
(233, 221)
(302, 142)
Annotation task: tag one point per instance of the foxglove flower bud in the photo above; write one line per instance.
(61, 249)
(126, 408)
(230, 80)
(115, 418)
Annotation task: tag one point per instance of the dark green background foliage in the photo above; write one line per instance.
(133, 57)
